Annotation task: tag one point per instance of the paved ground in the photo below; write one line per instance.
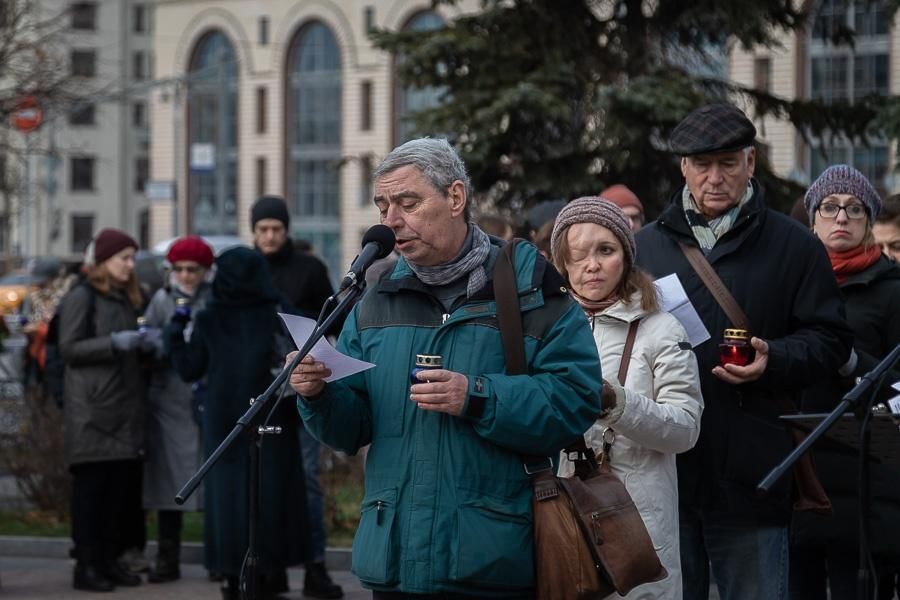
(33, 578)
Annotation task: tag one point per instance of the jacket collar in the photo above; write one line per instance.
(674, 222)
(282, 255)
(883, 269)
(624, 311)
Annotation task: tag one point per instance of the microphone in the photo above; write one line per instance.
(377, 243)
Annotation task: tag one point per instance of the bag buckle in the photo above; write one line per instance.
(609, 436)
(538, 468)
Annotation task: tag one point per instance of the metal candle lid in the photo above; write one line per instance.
(739, 334)
(429, 361)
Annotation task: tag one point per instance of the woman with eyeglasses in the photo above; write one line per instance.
(842, 206)
(173, 444)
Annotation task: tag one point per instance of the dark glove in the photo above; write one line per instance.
(182, 315)
(151, 341)
(607, 399)
(182, 312)
(125, 341)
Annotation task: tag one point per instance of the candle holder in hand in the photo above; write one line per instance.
(735, 348)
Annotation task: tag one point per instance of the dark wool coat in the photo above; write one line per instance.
(873, 312)
(233, 344)
(780, 276)
(104, 388)
(302, 279)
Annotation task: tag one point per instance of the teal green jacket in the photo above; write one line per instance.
(447, 506)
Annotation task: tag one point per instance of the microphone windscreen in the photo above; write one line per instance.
(381, 235)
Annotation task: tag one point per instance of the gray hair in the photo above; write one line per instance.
(436, 159)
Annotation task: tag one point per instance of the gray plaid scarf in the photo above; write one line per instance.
(708, 232)
(470, 260)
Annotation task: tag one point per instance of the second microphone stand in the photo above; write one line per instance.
(861, 398)
(250, 571)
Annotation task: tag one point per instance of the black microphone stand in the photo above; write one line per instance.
(861, 397)
(250, 572)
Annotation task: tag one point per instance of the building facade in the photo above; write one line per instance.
(282, 97)
(808, 65)
(86, 166)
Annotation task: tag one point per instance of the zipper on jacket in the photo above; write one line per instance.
(379, 509)
(444, 318)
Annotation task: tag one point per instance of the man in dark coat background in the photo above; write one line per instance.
(780, 276)
(302, 280)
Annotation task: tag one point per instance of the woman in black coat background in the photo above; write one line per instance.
(233, 343)
(841, 205)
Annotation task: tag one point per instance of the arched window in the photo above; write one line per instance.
(212, 137)
(313, 118)
(409, 100)
(845, 73)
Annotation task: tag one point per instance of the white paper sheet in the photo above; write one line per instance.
(675, 300)
(894, 403)
(341, 365)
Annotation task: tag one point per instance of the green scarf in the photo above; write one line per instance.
(708, 232)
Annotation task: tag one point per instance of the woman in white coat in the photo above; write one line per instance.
(655, 413)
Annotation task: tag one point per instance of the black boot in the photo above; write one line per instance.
(231, 589)
(87, 576)
(272, 585)
(114, 570)
(167, 562)
(318, 584)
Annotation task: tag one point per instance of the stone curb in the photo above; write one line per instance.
(336, 559)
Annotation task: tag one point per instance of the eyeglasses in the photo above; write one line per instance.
(186, 268)
(830, 211)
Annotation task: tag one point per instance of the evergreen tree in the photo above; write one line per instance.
(548, 99)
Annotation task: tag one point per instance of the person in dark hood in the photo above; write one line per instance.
(233, 343)
(302, 280)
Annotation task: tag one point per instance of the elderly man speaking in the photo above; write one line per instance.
(781, 278)
(447, 508)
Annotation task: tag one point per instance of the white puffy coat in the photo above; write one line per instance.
(660, 417)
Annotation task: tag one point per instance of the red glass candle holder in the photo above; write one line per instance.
(735, 348)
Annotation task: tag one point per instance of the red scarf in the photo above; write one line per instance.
(845, 264)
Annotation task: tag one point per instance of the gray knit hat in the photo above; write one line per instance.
(594, 209)
(842, 179)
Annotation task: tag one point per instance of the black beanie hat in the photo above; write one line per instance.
(270, 207)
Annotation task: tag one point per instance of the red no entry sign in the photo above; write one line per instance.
(27, 115)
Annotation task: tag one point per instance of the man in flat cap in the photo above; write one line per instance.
(780, 276)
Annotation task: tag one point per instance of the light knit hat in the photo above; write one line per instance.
(842, 179)
(594, 209)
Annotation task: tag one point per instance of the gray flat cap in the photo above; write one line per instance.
(712, 128)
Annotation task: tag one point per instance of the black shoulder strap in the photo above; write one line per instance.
(509, 315)
(92, 301)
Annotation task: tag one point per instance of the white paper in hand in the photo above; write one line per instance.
(894, 403)
(674, 300)
(341, 365)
